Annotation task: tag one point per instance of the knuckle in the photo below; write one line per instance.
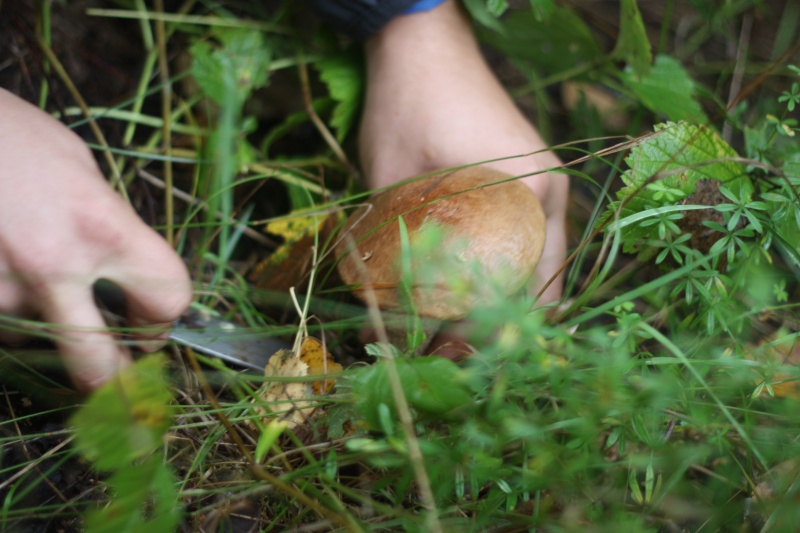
(34, 270)
(175, 302)
(100, 224)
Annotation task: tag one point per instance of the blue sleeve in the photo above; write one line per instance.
(362, 18)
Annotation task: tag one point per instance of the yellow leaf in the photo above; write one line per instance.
(319, 362)
(294, 401)
(294, 229)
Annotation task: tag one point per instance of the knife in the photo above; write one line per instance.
(237, 345)
(203, 330)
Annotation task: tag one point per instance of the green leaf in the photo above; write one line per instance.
(292, 121)
(681, 155)
(496, 7)
(633, 484)
(237, 66)
(551, 44)
(481, 11)
(144, 499)
(787, 225)
(667, 90)
(344, 77)
(267, 438)
(433, 386)
(127, 418)
(764, 146)
(415, 333)
(542, 9)
(633, 47)
(119, 429)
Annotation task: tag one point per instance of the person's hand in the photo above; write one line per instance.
(62, 228)
(433, 103)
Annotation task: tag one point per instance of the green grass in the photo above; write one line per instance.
(659, 397)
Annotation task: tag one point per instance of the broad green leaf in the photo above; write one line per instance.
(209, 71)
(667, 90)
(126, 418)
(481, 11)
(432, 385)
(786, 210)
(791, 167)
(496, 7)
(119, 429)
(680, 154)
(542, 9)
(632, 44)
(551, 44)
(237, 66)
(144, 498)
(344, 76)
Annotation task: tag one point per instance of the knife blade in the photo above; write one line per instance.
(202, 330)
(237, 345)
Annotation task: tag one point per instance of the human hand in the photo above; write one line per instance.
(433, 103)
(62, 228)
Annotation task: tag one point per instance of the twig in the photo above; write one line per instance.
(166, 117)
(738, 70)
(116, 178)
(766, 73)
(27, 452)
(323, 130)
(191, 200)
(27, 468)
(179, 18)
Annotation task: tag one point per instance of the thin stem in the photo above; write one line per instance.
(166, 129)
(415, 456)
(116, 179)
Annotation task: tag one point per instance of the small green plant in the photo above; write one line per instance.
(121, 430)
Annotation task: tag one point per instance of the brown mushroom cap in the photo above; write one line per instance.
(501, 227)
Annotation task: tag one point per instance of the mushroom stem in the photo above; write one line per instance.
(398, 335)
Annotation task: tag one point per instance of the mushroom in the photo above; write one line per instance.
(489, 221)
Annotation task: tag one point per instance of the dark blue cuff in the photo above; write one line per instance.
(423, 5)
(362, 18)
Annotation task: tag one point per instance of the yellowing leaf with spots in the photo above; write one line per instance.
(290, 263)
(295, 228)
(294, 400)
(126, 418)
(320, 362)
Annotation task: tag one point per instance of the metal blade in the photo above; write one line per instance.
(222, 339)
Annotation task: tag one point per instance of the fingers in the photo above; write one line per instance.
(156, 285)
(90, 352)
(156, 301)
(151, 276)
(51, 252)
(12, 307)
(149, 336)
